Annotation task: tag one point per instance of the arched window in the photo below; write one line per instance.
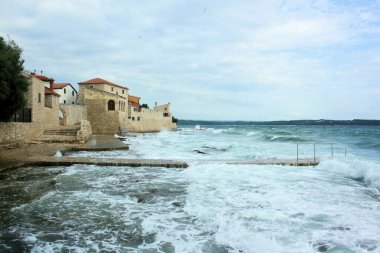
(111, 105)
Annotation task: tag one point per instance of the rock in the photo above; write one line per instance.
(178, 204)
(199, 151)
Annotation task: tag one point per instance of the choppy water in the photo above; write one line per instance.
(210, 206)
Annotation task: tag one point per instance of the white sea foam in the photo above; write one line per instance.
(364, 170)
(209, 207)
(58, 154)
(283, 209)
(252, 133)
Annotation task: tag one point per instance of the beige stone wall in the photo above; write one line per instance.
(150, 121)
(13, 131)
(121, 103)
(41, 115)
(85, 92)
(102, 121)
(19, 131)
(114, 90)
(85, 131)
(73, 114)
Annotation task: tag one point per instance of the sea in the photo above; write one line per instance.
(211, 206)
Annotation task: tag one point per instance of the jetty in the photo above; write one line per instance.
(102, 143)
(67, 161)
(283, 162)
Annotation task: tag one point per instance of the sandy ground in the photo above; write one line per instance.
(16, 153)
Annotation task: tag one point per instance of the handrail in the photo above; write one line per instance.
(322, 143)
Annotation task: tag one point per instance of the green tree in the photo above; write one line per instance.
(145, 106)
(13, 84)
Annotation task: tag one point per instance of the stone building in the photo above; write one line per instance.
(42, 108)
(43, 101)
(110, 108)
(68, 94)
(134, 105)
(106, 102)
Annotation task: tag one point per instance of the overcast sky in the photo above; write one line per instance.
(216, 60)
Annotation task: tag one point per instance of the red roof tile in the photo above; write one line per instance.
(102, 81)
(44, 78)
(50, 91)
(60, 85)
(134, 99)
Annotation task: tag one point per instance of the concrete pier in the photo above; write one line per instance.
(284, 162)
(102, 143)
(66, 161)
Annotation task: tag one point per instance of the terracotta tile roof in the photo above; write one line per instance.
(60, 85)
(44, 78)
(52, 92)
(102, 81)
(133, 99)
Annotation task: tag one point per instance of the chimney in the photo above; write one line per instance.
(51, 83)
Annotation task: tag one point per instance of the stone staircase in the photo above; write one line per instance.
(61, 134)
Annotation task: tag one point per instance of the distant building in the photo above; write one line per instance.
(68, 94)
(134, 103)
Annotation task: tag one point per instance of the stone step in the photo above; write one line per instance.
(59, 138)
(68, 132)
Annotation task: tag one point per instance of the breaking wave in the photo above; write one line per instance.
(361, 170)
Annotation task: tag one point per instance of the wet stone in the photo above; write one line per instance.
(321, 246)
(167, 247)
(178, 204)
(149, 238)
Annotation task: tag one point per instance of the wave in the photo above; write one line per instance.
(360, 170)
(280, 138)
(369, 144)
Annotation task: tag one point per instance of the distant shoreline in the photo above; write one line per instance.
(321, 122)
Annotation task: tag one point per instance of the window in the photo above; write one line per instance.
(91, 86)
(72, 93)
(122, 91)
(138, 118)
(64, 101)
(39, 98)
(64, 90)
(117, 93)
(72, 102)
(133, 118)
(111, 105)
(111, 88)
